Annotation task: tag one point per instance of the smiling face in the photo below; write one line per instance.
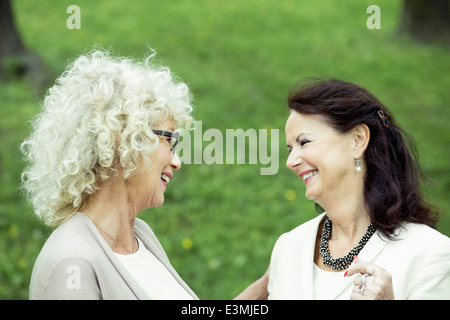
(321, 157)
(150, 183)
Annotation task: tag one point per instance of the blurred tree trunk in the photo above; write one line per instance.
(15, 60)
(427, 20)
(10, 41)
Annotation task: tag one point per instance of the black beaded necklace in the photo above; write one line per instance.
(344, 262)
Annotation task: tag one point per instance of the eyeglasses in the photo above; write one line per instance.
(174, 137)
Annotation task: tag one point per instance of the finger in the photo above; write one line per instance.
(367, 279)
(361, 266)
(356, 289)
(356, 294)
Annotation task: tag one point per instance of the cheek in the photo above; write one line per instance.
(336, 168)
(163, 155)
(331, 159)
(317, 157)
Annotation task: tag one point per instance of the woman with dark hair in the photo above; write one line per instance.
(375, 239)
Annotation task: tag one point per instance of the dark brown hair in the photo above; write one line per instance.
(391, 185)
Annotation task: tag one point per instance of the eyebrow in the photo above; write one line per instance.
(298, 138)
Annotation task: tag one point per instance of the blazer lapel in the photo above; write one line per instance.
(373, 247)
(133, 285)
(164, 260)
(370, 251)
(307, 275)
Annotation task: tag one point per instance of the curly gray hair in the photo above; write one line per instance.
(97, 118)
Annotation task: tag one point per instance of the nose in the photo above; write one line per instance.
(294, 160)
(175, 162)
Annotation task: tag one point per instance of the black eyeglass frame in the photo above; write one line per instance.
(169, 134)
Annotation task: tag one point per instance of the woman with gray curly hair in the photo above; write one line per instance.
(101, 151)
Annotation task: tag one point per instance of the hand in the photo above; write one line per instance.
(373, 282)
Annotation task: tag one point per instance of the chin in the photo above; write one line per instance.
(157, 203)
(314, 195)
(314, 192)
(310, 197)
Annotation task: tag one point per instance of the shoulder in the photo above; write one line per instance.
(419, 245)
(74, 238)
(299, 241)
(422, 246)
(421, 236)
(291, 259)
(416, 245)
(304, 231)
(71, 250)
(426, 253)
(77, 238)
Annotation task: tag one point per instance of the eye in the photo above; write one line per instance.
(171, 142)
(303, 142)
(289, 148)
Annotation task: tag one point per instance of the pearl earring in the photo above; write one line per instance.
(358, 165)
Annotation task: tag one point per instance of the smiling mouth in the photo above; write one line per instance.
(307, 176)
(165, 178)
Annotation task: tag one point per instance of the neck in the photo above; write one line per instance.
(110, 210)
(349, 218)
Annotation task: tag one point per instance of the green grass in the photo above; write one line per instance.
(239, 58)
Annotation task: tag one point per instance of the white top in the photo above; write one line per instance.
(327, 283)
(154, 278)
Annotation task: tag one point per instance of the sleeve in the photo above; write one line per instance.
(434, 280)
(274, 270)
(68, 279)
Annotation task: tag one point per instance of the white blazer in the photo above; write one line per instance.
(418, 260)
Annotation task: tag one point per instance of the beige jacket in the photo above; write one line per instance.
(77, 263)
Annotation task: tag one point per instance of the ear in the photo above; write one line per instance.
(361, 137)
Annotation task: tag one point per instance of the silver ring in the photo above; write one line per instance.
(361, 289)
(363, 279)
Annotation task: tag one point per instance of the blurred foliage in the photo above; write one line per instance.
(219, 222)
